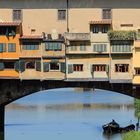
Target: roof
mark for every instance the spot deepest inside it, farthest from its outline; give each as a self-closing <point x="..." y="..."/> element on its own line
<point x="31" y="37"/>
<point x="101" y="22"/>
<point x="10" y="23"/>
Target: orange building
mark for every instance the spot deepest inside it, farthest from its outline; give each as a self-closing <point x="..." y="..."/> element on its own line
<point x="10" y="33"/>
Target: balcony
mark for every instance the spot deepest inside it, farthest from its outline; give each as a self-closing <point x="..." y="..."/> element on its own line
<point x="54" y="54"/>
<point x="77" y="36"/>
<point x="99" y="37"/>
<point x="30" y="54"/>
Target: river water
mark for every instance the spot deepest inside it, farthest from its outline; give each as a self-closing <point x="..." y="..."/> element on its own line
<point x="67" y="114"/>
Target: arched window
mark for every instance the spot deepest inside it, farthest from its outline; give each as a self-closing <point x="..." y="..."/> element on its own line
<point x="30" y="65"/>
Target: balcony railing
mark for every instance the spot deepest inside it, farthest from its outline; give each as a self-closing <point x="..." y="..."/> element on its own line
<point x="77" y="36"/>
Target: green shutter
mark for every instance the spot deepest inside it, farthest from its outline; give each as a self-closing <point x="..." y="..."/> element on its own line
<point x="21" y="65"/>
<point x="70" y="68"/>
<point x="38" y="66"/>
<point x="91" y="68"/>
<point x="16" y="66"/>
<point x="1" y="47"/>
<point x="45" y="67"/>
<point x="1" y="66"/>
<point x="107" y="68"/>
<point x="4" y="47"/>
<point x="13" y="33"/>
<point x="7" y="33"/>
<point x="63" y="67"/>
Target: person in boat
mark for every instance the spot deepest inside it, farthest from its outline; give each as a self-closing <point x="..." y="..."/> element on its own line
<point x="114" y="124"/>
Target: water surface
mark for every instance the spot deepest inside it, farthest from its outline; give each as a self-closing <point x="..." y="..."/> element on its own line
<point x="65" y="114"/>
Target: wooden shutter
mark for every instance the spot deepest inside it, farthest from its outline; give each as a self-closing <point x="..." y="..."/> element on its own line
<point x="16" y="66"/>
<point x="1" y="66"/>
<point x="45" y="67"/>
<point x="70" y="68"/>
<point x="38" y="66"/>
<point x="21" y="65"/>
<point x="107" y="68"/>
<point x="63" y="67"/>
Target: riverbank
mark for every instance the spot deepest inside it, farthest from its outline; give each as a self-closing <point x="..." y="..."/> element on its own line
<point x="133" y="135"/>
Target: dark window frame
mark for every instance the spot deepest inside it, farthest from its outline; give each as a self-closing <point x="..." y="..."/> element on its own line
<point x="78" y="67"/>
<point x="137" y="71"/>
<point x="61" y="14"/>
<point x="11" y="47"/>
<point x="9" y="65"/>
<point x="54" y="66"/>
<point x="107" y="13"/>
<point x="17" y="14"/>
<point x="99" y="68"/>
<point x="123" y="68"/>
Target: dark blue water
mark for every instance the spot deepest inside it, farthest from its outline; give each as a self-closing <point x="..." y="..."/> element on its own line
<point x="64" y="114"/>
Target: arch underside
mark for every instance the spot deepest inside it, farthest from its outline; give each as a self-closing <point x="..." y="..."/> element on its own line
<point x="11" y="90"/>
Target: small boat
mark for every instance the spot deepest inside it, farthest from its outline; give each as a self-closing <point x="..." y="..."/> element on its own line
<point x="114" y="127"/>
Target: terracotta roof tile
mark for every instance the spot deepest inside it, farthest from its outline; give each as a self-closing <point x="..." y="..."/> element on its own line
<point x="31" y="37"/>
<point x="10" y="23"/>
<point x="101" y="22"/>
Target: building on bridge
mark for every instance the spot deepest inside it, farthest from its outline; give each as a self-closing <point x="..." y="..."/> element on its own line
<point x="9" y="49"/>
<point x="71" y="40"/>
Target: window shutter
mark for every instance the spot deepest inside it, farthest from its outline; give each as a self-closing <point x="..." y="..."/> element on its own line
<point x="92" y="68"/>
<point x="1" y="66"/>
<point x="107" y="68"/>
<point x="1" y="48"/>
<point x="45" y="67"/>
<point x="70" y="68"/>
<point x="38" y="66"/>
<point x="4" y="47"/>
<point x="63" y="67"/>
<point x="21" y="66"/>
<point x="16" y="66"/>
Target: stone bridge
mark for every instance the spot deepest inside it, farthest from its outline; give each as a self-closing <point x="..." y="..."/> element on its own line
<point x="11" y="90"/>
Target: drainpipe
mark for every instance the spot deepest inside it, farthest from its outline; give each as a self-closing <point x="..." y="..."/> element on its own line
<point x="67" y="15"/>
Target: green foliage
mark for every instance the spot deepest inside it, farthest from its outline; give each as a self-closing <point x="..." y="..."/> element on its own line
<point x="133" y="135"/>
<point x="137" y="108"/>
<point x="122" y="35"/>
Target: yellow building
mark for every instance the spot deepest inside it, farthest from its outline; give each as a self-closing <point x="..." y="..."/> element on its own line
<point x="53" y="57"/>
<point x="136" y="63"/>
<point x="9" y="49"/>
<point x="96" y="40"/>
<point x="30" y="57"/>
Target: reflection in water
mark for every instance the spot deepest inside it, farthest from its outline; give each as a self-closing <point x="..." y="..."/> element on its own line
<point x="71" y="106"/>
<point x="67" y="115"/>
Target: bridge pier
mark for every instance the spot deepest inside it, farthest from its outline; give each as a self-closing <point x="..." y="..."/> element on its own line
<point x="2" y="114"/>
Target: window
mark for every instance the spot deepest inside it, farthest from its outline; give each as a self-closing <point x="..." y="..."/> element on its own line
<point x="77" y="67"/>
<point x="11" y="47"/>
<point x="17" y="15"/>
<point x="2" y="47"/>
<point x="30" y="65"/>
<point x="82" y="47"/>
<point x="99" y="67"/>
<point x="100" y="47"/>
<point x="51" y="46"/>
<point x="121" y="46"/>
<point x="8" y="31"/>
<point x="61" y="14"/>
<point x="121" y="67"/>
<point x="30" y="45"/>
<point x="54" y="66"/>
<point x="95" y="29"/>
<point x="73" y="48"/>
<point x="137" y="70"/>
<point x="105" y="28"/>
<point x="106" y="14"/>
<point x="9" y="65"/>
